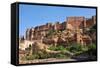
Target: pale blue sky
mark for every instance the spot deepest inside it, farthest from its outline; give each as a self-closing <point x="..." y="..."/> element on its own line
<point x="35" y="15"/>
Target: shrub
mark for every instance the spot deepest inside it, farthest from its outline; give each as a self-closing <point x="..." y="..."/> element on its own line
<point x="92" y="47"/>
<point x="58" y="48"/>
<point x="75" y="48"/>
<point x="60" y="56"/>
<point x="43" y="55"/>
<point x="52" y="48"/>
<point x="92" y="50"/>
<point x="30" y="57"/>
<point x="50" y="32"/>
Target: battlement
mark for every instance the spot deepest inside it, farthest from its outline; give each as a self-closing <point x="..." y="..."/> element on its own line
<point x="72" y="23"/>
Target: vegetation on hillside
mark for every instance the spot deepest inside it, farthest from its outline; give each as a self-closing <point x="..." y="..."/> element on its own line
<point x="65" y="52"/>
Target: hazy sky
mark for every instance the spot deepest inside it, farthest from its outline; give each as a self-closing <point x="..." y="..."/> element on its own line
<point x="35" y="15"/>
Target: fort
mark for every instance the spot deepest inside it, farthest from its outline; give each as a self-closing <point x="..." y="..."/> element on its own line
<point x="59" y="40"/>
<point x="73" y="29"/>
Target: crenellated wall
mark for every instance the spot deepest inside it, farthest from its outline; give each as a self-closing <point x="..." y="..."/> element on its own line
<point x="72" y="23"/>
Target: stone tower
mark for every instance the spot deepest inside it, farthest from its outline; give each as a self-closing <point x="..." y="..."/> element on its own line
<point x="74" y="22"/>
<point x="27" y="34"/>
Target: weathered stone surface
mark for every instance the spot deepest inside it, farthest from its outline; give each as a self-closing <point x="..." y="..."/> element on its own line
<point x="37" y="46"/>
